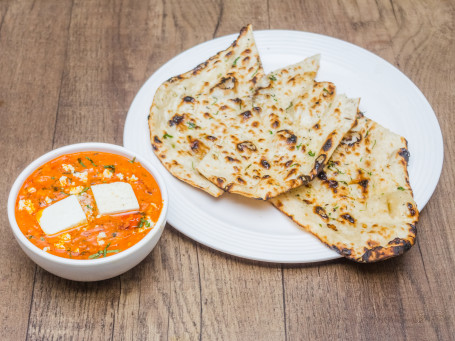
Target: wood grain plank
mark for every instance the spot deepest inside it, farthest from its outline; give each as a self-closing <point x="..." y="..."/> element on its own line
<point x="160" y="299"/>
<point x="233" y="15"/>
<point x="31" y="64"/>
<point x="241" y="300"/>
<point x="395" y="299"/>
<point x="87" y="111"/>
<point x="167" y="303"/>
<point x="109" y="57"/>
<point x="425" y="50"/>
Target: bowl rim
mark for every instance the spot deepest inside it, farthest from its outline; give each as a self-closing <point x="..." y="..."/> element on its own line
<point x="74" y="148"/>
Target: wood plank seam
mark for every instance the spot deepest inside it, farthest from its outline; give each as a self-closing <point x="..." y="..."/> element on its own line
<point x="31" y="302"/>
<point x="284" y="303"/>
<point x="3" y="19"/>
<point x="200" y="291"/>
<point x="63" y="74"/>
<point x="220" y="16"/>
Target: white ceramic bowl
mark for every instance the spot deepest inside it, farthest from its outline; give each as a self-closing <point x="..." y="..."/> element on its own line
<point x="92" y="269"/>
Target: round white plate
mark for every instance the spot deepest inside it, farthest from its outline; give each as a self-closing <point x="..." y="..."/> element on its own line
<point x="255" y="229"/>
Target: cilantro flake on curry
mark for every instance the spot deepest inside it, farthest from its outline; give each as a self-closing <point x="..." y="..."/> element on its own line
<point x="110" y="167"/>
<point x="102" y="235"/>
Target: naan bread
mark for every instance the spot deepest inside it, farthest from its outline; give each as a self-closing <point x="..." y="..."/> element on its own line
<point x="192" y="110"/>
<point x="285" y="138"/>
<point x="361" y="204"/>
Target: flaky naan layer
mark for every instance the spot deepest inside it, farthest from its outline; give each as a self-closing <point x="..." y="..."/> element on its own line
<point x="192" y="110"/>
<point x="285" y="138"/>
<point x="361" y="204"/>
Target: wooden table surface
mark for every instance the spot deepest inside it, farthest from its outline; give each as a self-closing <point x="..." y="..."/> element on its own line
<point x="69" y="70"/>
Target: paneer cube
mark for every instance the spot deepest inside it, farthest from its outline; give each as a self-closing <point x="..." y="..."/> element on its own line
<point x="116" y="197"/>
<point x="62" y="215"/>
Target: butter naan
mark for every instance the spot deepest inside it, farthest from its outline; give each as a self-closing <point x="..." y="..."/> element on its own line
<point x="192" y="110"/>
<point x="361" y="204"/>
<point x="284" y="138"/>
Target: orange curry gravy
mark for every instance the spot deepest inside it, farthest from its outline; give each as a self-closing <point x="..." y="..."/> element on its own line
<point x="74" y="173"/>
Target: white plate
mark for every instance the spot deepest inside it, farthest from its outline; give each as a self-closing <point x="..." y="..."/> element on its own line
<point x="255" y="229"/>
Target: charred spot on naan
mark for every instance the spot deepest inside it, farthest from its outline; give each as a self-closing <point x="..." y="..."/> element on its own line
<point x="320" y="211"/>
<point x="176" y="120"/>
<point x="226" y="83"/>
<point x="351" y="138"/>
<point x="246" y="146"/>
<point x="246" y="115"/>
<point x="394" y="248"/>
<point x="286" y="138"/>
<point x="404" y="153"/>
<point x="188" y="99"/>
<point x="274" y="121"/>
<point x="318" y="165"/>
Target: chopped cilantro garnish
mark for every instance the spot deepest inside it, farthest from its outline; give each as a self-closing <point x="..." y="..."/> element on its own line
<point x="235" y="61"/>
<point x="42" y="239"/>
<point x="89" y="207"/>
<point x="165" y="136"/>
<point x="298" y="146"/>
<point x="103" y="252"/>
<point x="191" y="125"/>
<point x="105" y="249"/>
<point x="113" y="251"/>
<point x="30" y="237"/>
<point x="142" y="222"/>
<point x="91" y="161"/>
<point x="110" y="167"/>
<point x="333" y="164"/>
<point x="326" y="90"/>
<point x="271" y="132"/>
<point x="272" y="78"/>
<point x="369" y="173"/>
<point x="81" y="163"/>
<point x="133" y="160"/>
<point x="367" y="133"/>
<point x="400" y="188"/>
<point x="290" y="105"/>
<point x="85" y="190"/>
<point x="216" y="100"/>
<point x="311" y="153"/>
<point x="255" y="72"/>
<point x="95" y="255"/>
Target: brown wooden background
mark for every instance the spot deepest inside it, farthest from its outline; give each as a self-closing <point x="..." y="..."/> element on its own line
<point x="69" y="70"/>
